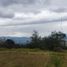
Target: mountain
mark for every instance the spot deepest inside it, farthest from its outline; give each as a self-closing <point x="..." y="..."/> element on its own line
<point x="19" y="40"/>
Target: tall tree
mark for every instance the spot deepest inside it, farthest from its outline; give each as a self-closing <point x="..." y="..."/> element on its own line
<point x="35" y="40"/>
<point x="56" y="39"/>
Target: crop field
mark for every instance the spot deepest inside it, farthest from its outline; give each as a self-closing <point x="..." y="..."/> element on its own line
<point x="32" y="58"/>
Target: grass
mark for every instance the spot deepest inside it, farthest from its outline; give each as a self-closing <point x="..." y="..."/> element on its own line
<point x="32" y="58"/>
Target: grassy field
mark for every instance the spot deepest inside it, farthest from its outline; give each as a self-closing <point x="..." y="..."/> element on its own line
<point x="32" y="58"/>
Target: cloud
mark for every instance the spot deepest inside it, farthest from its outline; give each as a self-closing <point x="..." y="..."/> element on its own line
<point x="6" y="15"/>
<point x="35" y="5"/>
<point x="6" y="12"/>
<point x="41" y="15"/>
<point x="43" y="29"/>
<point x="23" y="2"/>
<point x="45" y="16"/>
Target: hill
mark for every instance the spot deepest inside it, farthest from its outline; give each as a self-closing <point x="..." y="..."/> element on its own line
<point x="19" y="40"/>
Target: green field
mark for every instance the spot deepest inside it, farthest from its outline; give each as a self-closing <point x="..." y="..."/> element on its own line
<point x="32" y="58"/>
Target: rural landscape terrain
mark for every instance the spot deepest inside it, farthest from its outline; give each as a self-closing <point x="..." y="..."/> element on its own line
<point x="32" y="58"/>
<point x="33" y="33"/>
<point x="50" y="51"/>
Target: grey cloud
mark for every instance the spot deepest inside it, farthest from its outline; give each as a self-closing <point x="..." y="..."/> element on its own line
<point x="10" y="2"/>
<point x="34" y="5"/>
<point x="23" y="5"/>
<point x="23" y="2"/>
<point x="5" y="2"/>
<point x="9" y="7"/>
<point x="43" y="21"/>
<point x="42" y="28"/>
<point x="56" y="5"/>
<point x="6" y="15"/>
<point x="59" y="10"/>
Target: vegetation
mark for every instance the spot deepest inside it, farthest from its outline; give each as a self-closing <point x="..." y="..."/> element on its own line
<point x="56" y="60"/>
<point x="32" y="58"/>
<point x="40" y="52"/>
<point x="53" y="42"/>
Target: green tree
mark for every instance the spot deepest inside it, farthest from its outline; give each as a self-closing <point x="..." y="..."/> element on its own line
<point x="55" y="40"/>
<point x="9" y="44"/>
<point x="35" y="40"/>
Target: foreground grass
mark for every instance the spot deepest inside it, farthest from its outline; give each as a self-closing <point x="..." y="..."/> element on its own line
<point x="32" y="58"/>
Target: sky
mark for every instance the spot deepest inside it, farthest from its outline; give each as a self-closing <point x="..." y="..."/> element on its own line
<point x="21" y="17"/>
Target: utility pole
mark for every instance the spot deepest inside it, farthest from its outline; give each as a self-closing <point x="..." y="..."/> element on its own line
<point x="61" y="25"/>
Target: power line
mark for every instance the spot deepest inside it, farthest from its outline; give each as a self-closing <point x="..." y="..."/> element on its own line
<point x="61" y="24"/>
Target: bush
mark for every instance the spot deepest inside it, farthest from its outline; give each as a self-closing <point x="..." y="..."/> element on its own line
<point x="59" y="49"/>
<point x="9" y="44"/>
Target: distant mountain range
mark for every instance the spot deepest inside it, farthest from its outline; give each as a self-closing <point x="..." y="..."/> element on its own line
<point x="19" y="40"/>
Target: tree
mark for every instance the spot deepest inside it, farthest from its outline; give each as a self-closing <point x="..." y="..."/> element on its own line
<point x="55" y="40"/>
<point x="9" y="43"/>
<point x="35" y="40"/>
<point x="2" y="40"/>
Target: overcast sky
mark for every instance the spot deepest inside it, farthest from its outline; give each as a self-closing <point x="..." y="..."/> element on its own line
<point x="22" y="17"/>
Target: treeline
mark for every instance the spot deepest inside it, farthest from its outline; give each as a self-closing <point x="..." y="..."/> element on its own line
<point x="55" y="42"/>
